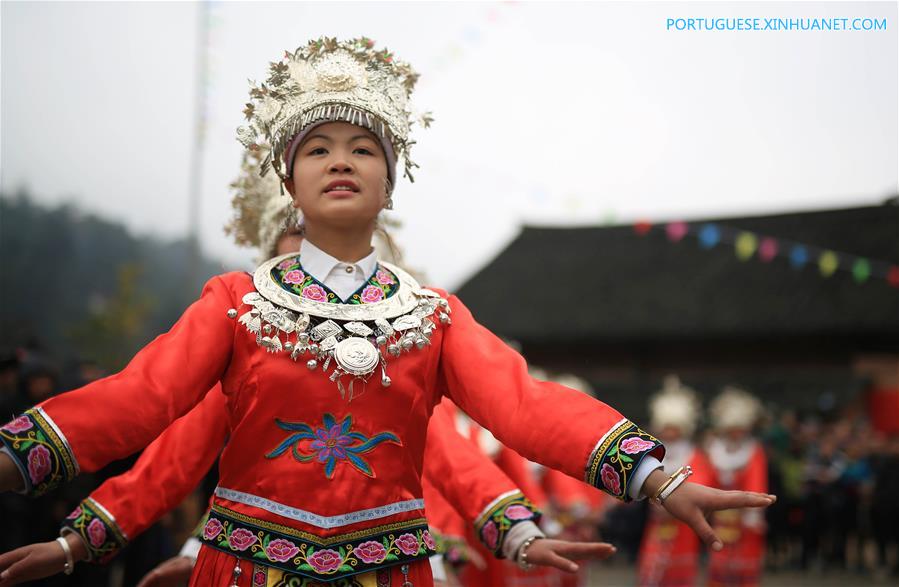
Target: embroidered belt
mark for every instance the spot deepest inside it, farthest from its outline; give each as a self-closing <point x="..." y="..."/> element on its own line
<point x="324" y="559"/>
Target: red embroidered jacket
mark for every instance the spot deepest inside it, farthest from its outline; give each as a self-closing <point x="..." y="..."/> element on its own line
<point x="305" y="470"/>
<point x="124" y="506"/>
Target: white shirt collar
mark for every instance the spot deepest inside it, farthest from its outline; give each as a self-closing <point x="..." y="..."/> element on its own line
<point x="320" y="264"/>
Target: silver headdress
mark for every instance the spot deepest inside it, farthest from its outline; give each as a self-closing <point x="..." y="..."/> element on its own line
<point x="261" y="213"/>
<point x="327" y="80"/>
<point x="675" y="405"/>
<point x="735" y="408"/>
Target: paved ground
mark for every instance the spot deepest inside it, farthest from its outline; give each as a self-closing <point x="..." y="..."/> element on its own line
<point x="619" y="576"/>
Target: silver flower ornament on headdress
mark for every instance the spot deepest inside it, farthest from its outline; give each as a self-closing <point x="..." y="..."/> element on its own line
<point x="327" y="80"/>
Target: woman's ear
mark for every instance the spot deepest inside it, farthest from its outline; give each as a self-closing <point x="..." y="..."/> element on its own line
<point x="288" y="185"/>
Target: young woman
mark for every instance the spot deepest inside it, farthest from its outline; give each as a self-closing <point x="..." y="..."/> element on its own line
<point x="333" y="340"/>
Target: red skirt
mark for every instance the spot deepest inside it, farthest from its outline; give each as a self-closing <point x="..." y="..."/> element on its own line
<point x="218" y="569"/>
<point x="669" y="554"/>
<point x="739" y="563"/>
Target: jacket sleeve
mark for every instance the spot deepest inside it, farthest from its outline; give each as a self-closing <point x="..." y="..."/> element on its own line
<point x="473" y="484"/>
<point x="446" y="523"/>
<point x="168" y="470"/>
<point x="545" y="422"/>
<point x="114" y="417"/>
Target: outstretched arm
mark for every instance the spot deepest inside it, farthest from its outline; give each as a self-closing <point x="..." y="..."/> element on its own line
<point x="112" y="418"/>
<point x="126" y="505"/>
<point x="565" y="429"/>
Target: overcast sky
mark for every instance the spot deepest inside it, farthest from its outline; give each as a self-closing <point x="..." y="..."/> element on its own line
<point x="580" y="113"/>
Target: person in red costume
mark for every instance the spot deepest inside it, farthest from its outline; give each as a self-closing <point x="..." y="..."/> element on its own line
<point x="739" y="463"/>
<point x="669" y="552"/>
<point x="175" y="462"/>
<point x="331" y="363"/>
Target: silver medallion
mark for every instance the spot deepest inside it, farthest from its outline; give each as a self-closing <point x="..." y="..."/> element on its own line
<point x="356" y="356"/>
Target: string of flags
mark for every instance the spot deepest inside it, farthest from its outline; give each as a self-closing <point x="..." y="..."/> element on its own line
<point x="748" y="245"/>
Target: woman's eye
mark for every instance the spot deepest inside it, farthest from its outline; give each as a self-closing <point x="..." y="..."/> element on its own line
<point x="363" y="151"/>
<point x="318" y="151"/>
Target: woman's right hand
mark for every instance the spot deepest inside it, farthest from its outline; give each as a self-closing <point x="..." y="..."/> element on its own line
<point x="174" y="572"/>
<point x="37" y="561"/>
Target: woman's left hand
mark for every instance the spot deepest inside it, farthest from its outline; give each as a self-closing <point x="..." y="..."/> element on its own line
<point x="561" y="554"/>
<point x="692" y="503"/>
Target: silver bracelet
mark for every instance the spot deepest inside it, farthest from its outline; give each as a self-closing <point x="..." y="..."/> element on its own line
<point x="686" y="472"/>
<point x="522" y="558"/>
<point x="70" y="562"/>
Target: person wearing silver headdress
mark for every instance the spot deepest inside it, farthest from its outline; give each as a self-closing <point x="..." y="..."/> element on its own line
<point x="456" y="478"/>
<point x="331" y="362"/>
<point x="739" y="463"/>
<point x="669" y="551"/>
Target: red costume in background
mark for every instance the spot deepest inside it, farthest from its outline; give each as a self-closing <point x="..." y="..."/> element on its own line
<point x="669" y="551"/>
<point x="739" y="563"/>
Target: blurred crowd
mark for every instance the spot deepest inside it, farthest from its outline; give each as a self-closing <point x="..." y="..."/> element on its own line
<point x="837" y="480"/>
<point x="836" y="477"/>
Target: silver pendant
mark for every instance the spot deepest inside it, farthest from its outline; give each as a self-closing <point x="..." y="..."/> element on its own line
<point x="358" y="328"/>
<point x="326" y="329"/>
<point x="356" y="356"/>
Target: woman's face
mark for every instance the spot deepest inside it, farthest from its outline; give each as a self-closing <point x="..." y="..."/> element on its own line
<point x="339" y="174"/>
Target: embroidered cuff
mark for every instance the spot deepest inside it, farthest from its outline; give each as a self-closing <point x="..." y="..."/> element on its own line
<point x="454" y="549"/>
<point x="40" y="451"/>
<point x="507" y="510"/>
<point x="98" y="529"/>
<point x="617" y="457"/>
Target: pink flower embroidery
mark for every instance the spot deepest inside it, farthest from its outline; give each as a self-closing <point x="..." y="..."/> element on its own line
<point x="287" y="263"/>
<point x="212" y="529"/>
<point x="241" y="539"/>
<point x="408" y="544"/>
<point x="315" y="292"/>
<point x="38" y="463"/>
<point x="96" y="533"/>
<point x="634" y="445"/>
<point x="372" y="294"/>
<point x="428" y="540"/>
<point x="296" y="276"/>
<point x="330" y="443"/>
<point x="76" y="513"/>
<point x="325" y="561"/>
<point x="20" y="424"/>
<point x="371" y="552"/>
<point x="281" y="550"/>
<point x="610" y="479"/>
<point x="384" y="278"/>
<point x="490" y="534"/>
<point x="518" y="512"/>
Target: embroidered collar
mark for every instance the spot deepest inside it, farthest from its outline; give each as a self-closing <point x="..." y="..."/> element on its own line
<point x="320" y="264"/>
<point x="294" y="277"/>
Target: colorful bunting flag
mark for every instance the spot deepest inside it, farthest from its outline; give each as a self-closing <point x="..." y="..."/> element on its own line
<point x="748" y="244"/>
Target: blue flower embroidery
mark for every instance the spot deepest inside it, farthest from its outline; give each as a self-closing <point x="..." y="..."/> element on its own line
<point x="332" y="443"/>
